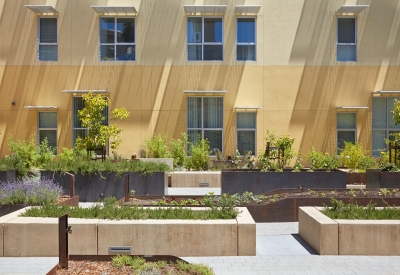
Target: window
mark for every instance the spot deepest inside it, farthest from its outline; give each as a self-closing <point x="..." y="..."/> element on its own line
<point x="204" y="38"/>
<point x="48" y="128"/>
<point x="346" y="125"/>
<point x="246" y="39"/>
<point x="346" y="39"/>
<point x="117" y="39"/>
<point x="205" y="119"/>
<point x="77" y="129"/>
<point x="246" y="132"/>
<point x="47" y="39"/>
<point x="382" y="123"/>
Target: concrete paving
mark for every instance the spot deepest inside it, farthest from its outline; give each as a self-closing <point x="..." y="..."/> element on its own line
<point x="192" y="191"/>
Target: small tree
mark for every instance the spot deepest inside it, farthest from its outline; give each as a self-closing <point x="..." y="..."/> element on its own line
<point x="92" y="117"/>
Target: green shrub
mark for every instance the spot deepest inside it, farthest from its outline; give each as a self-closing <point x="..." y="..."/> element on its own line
<point x="352" y="154"/>
<point x="157" y="147"/>
<point x="178" y="150"/>
<point x="199" y="153"/>
<point x="315" y="159"/>
<point x="367" y="162"/>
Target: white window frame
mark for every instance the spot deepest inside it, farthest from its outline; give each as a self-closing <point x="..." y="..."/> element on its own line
<point x="202" y="128"/>
<point x="202" y="43"/>
<point x="46" y="129"/>
<point x="247" y="130"/>
<point x="247" y="44"/>
<point x="346" y="129"/>
<point x="347" y="44"/>
<point x="45" y="44"/>
<point x="75" y="114"/>
<point x="115" y="43"/>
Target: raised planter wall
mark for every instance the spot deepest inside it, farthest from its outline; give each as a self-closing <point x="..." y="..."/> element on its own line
<point x="92" y="188"/>
<point x="9" y="176"/>
<point x="145" y="237"/>
<point x="261" y="182"/>
<point x="353" y="237"/>
<point x="190" y="179"/>
<point x="389" y="180"/>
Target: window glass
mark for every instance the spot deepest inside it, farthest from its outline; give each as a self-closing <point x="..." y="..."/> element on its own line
<point x="245" y="39"/>
<point x="48" y="128"/>
<point x="346" y="49"/>
<point x="47" y="39"/>
<point x="117" y="39"/>
<point x="346" y="121"/>
<point x="346" y="125"/>
<point x="246" y="132"/>
<point x="346" y="30"/>
<point x="205" y="118"/>
<point x="204" y="38"/>
<point x="382" y="123"/>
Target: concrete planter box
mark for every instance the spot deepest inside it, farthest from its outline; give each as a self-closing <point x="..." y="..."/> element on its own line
<point x="197" y="179"/>
<point x="260" y="182"/>
<point x="33" y="237"/>
<point x="91" y="188"/>
<point x="348" y="237"/>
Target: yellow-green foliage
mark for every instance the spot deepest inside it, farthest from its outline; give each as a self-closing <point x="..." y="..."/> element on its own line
<point x="352" y="154"/>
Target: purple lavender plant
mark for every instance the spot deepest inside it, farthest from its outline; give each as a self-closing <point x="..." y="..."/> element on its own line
<point x="31" y="191"/>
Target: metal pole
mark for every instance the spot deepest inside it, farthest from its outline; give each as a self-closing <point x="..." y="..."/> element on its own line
<point x="63" y="231"/>
<point x="127" y="188"/>
<point x="71" y="184"/>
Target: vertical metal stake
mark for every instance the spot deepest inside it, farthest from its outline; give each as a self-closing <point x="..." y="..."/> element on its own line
<point x="127" y="188"/>
<point x="63" y="231"/>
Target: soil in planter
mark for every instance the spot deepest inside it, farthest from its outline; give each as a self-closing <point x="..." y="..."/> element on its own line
<point x="106" y="267"/>
<point x="272" y="197"/>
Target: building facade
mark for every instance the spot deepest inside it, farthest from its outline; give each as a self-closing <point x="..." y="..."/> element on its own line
<point x="322" y="72"/>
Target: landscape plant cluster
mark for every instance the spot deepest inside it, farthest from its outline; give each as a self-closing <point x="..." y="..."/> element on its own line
<point x="32" y="191"/>
<point x="110" y="209"/>
<point x="354" y="211"/>
<point x="140" y="266"/>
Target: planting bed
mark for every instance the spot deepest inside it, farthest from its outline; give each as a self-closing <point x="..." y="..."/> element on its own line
<point x="282" y="205"/>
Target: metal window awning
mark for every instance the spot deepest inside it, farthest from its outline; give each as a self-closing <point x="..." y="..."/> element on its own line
<point x="40" y="107"/>
<point x="247" y="107"/>
<point x="42" y="9"/>
<point x="247" y="9"/>
<point x="85" y="91"/>
<point x="352" y="107"/>
<point x="115" y="10"/>
<point x="205" y="8"/>
<point x="204" y="92"/>
<point x="351" y="9"/>
<point x="386" y="92"/>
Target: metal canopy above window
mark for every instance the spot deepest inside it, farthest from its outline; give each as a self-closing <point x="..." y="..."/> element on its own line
<point x="203" y="92"/>
<point x="114" y="10"/>
<point x="249" y="9"/>
<point x="352" y="107"/>
<point x="205" y="8"/>
<point x="85" y="91"/>
<point x="40" y="107"/>
<point x="386" y="92"/>
<point x="248" y="107"/>
<point x="42" y="9"/>
<point x="351" y="9"/>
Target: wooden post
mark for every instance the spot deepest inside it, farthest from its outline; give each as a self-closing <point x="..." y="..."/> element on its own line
<point x="63" y="230"/>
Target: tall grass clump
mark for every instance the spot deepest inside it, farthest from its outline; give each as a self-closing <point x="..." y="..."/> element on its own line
<point x="31" y="191"/>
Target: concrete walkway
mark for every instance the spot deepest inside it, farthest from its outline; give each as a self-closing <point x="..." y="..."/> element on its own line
<point x="279" y="251"/>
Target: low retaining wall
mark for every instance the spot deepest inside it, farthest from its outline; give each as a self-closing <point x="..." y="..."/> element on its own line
<point x="348" y="237"/>
<point x="36" y="237"/>
<point x="260" y="182"/>
<point x="189" y="179"/>
<point x="95" y="187"/>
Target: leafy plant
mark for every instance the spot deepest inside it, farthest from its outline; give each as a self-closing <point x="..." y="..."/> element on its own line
<point x="298" y="165"/>
<point x="367" y="162"/>
<point x="199" y="153"/>
<point x="280" y="152"/>
<point x="352" y="154"/>
<point x="315" y="158"/>
<point x="157" y="146"/>
<point x="92" y="117"/>
<point x="27" y="156"/>
<point x="178" y="150"/>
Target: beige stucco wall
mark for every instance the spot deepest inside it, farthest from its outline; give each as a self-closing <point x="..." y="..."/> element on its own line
<point x="296" y="79"/>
